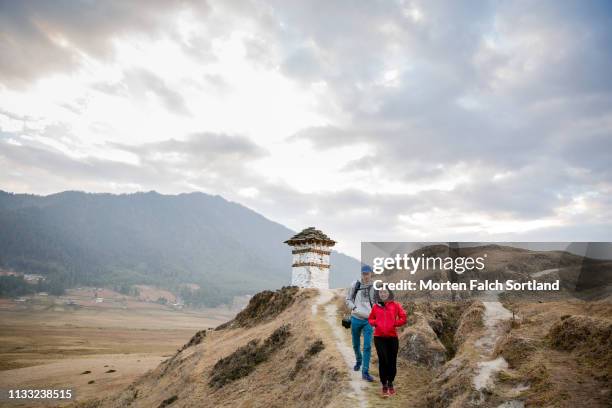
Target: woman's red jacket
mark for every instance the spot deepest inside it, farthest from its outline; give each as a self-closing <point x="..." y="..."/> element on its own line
<point x="386" y="318"/>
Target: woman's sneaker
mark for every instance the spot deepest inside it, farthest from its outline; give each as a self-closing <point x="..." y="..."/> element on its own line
<point x="366" y="376"/>
<point x="391" y="390"/>
<point x="385" y="391"/>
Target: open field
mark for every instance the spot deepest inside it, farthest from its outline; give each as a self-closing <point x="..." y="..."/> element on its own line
<point x="45" y="343"/>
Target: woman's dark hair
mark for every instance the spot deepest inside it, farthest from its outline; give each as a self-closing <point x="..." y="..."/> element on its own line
<point x="377" y="296"/>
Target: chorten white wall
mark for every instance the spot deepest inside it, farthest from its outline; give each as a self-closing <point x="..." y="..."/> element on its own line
<point x="310" y="277"/>
<point x="310" y="266"/>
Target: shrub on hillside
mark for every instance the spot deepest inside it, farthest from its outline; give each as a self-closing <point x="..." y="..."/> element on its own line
<point x="245" y="359"/>
<point x="315" y="348"/>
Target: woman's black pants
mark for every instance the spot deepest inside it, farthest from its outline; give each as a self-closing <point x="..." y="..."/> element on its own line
<point x="386" y="349"/>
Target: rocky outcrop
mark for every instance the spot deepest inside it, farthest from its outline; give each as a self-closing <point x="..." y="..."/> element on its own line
<point x="419" y="344"/>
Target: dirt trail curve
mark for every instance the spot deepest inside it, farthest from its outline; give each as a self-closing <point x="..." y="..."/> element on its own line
<point x="496" y="315"/>
<point x="325" y="299"/>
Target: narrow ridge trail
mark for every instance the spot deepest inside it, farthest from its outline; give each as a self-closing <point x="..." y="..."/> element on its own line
<point x="330" y="317"/>
<point x="495" y="317"/>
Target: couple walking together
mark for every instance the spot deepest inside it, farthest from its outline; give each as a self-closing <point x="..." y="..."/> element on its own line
<point x="375" y="310"/>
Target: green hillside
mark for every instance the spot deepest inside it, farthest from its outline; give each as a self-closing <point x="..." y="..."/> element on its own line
<point x="116" y="241"/>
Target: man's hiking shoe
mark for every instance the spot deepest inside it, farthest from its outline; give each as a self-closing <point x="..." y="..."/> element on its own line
<point x="385" y="392"/>
<point x="366" y="376"/>
<point x="357" y="366"/>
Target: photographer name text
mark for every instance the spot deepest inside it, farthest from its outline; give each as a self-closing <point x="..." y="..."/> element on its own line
<point x="495" y="285"/>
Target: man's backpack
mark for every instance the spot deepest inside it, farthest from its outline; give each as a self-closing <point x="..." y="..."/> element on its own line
<point x="346" y="320"/>
<point x="357" y="287"/>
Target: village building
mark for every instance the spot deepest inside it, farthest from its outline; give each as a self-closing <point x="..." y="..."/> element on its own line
<point x="33" y="278"/>
<point x="311" y="250"/>
<point x="9" y="273"/>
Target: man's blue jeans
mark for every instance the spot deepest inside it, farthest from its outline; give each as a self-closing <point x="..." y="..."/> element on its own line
<point x="357" y="326"/>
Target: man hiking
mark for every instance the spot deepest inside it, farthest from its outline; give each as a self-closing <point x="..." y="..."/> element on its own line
<point x="359" y="299"/>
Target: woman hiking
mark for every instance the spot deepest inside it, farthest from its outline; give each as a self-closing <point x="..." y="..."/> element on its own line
<point x="385" y="316"/>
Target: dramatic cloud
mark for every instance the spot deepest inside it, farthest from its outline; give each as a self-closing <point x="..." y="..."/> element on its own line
<point x="38" y="36"/>
<point x="373" y="120"/>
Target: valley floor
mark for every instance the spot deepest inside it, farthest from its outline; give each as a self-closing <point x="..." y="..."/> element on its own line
<point x="92" y="350"/>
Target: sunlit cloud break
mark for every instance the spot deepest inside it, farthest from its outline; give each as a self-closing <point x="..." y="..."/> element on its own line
<point x="376" y="121"/>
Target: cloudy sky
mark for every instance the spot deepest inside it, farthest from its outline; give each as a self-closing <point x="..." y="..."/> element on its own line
<point x="373" y="120"/>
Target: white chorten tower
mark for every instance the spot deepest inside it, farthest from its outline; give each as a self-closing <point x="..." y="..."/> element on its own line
<point x="311" y="249"/>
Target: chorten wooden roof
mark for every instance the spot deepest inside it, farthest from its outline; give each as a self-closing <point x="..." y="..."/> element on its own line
<point x="310" y="234"/>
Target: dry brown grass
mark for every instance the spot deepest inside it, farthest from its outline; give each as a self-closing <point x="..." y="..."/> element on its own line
<point x="30" y="338"/>
<point x="470" y="322"/>
<point x="315" y="348"/>
<point x="245" y="359"/>
<point x="41" y="347"/>
<point x="562" y="351"/>
<point x="559" y="376"/>
<point x="588" y="339"/>
<point x="517" y="349"/>
<point x="265" y="306"/>
<point x="320" y="381"/>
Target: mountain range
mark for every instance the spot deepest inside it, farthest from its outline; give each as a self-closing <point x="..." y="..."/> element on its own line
<point x="177" y="242"/>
